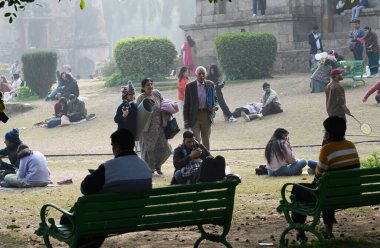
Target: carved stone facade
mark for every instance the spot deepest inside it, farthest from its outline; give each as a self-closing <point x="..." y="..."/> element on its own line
<point x="59" y="27"/>
<point x="289" y="20"/>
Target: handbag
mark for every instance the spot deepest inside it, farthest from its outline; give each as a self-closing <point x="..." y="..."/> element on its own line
<point x="171" y="128"/>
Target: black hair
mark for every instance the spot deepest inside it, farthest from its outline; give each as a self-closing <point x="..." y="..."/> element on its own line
<point x="124" y="139"/>
<point x="315" y="27"/>
<point x="16" y="76"/>
<point x="275" y="146"/>
<point x="190" y="40"/>
<point x="144" y="82"/>
<point x="188" y="134"/>
<point x="182" y="71"/>
<point x="367" y="28"/>
<point x="266" y="85"/>
<point x="62" y="100"/>
<point x="335" y="127"/>
<point x="216" y="71"/>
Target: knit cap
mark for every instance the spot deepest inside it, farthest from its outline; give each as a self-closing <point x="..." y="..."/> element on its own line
<point x="127" y="89"/>
<point x="13" y="136"/>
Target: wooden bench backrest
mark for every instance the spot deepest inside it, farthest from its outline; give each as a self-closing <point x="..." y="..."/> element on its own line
<point x="350" y="188"/>
<point x="171" y="206"/>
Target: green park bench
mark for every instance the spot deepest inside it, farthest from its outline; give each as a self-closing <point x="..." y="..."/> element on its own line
<point x="354" y="70"/>
<point x="159" y="208"/>
<point x="335" y="190"/>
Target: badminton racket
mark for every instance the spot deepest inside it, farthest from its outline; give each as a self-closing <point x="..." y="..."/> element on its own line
<point x="364" y="127"/>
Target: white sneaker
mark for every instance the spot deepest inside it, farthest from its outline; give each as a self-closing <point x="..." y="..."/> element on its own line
<point x="232" y="119"/>
<point x="245" y="116"/>
<point x="260" y="115"/>
<point x="253" y="15"/>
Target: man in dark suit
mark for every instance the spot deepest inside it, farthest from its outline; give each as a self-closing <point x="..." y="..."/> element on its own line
<point x="315" y="43"/>
<point x="199" y="107"/>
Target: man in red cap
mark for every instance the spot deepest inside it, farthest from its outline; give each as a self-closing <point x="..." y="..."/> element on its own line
<point x="335" y="96"/>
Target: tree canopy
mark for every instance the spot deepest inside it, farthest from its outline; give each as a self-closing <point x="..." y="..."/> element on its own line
<point x="13" y="6"/>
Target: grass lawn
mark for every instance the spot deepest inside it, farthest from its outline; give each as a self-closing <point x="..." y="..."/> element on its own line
<point x="255" y="218"/>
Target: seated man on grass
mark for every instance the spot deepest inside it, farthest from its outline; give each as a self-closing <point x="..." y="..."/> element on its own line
<point x="125" y="173"/>
<point x="187" y="159"/>
<point x="337" y="154"/>
<point x="271" y="104"/>
<point x="76" y="109"/>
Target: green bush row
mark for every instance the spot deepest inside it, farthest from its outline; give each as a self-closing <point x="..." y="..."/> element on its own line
<point x="39" y="71"/>
<point x="246" y="55"/>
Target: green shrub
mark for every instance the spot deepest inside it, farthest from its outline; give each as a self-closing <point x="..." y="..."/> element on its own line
<point x="371" y="162"/>
<point x="246" y="55"/>
<point x="24" y="92"/>
<point x="39" y="71"/>
<point x="115" y="80"/>
<point x="142" y="57"/>
<point x="108" y="68"/>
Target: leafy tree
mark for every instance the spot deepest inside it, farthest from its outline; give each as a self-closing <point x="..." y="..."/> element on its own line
<point x="16" y="5"/>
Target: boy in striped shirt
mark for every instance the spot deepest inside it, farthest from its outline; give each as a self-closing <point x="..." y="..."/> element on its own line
<point x="337" y="154"/>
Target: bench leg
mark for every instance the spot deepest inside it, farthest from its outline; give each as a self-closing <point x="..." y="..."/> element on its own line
<point x="283" y="243"/>
<point x="47" y="241"/>
<point x="214" y="238"/>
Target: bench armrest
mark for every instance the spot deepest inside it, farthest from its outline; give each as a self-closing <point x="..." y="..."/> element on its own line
<point x="285" y="203"/>
<point x="44" y="211"/>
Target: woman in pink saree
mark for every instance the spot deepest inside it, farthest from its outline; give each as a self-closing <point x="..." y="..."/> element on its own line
<point x="188" y="54"/>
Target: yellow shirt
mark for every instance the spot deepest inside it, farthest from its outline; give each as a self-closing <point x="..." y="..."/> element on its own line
<point x="337" y="155"/>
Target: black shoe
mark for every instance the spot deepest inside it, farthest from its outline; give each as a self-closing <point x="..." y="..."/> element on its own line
<point x="301" y="239"/>
<point x="159" y="172"/>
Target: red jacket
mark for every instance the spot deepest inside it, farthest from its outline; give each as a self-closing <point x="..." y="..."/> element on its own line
<point x="181" y="88"/>
<point x="373" y="89"/>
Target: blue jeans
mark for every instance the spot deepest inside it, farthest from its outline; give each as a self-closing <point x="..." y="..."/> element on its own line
<point x="356" y="11"/>
<point x="180" y="178"/>
<point x="261" y="6"/>
<point x="292" y="169"/>
<point x="55" y="91"/>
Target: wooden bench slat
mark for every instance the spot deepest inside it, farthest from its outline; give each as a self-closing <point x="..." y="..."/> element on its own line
<point x="351" y="201"/>
<point x="175" y="189"/>
<point x="156" y="200"/>
<point x="343" y="182"/>
<point x="152" y="210"/>
<point x="148" y="222"/>
<point x="353" y="190"/>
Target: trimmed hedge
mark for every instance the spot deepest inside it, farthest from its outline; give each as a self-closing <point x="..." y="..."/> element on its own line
<point x="246" y="55"/>
<point x="39" y="70"/>
<point x="143" y="56"/>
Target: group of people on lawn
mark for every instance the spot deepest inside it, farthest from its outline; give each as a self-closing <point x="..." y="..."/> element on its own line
<point x="192" y="160"/>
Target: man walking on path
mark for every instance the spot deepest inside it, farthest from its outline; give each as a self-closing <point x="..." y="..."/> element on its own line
<point x="335" y="96"/>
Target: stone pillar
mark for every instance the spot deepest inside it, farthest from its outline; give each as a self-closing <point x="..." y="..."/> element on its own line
<point x="327" y="8"/>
